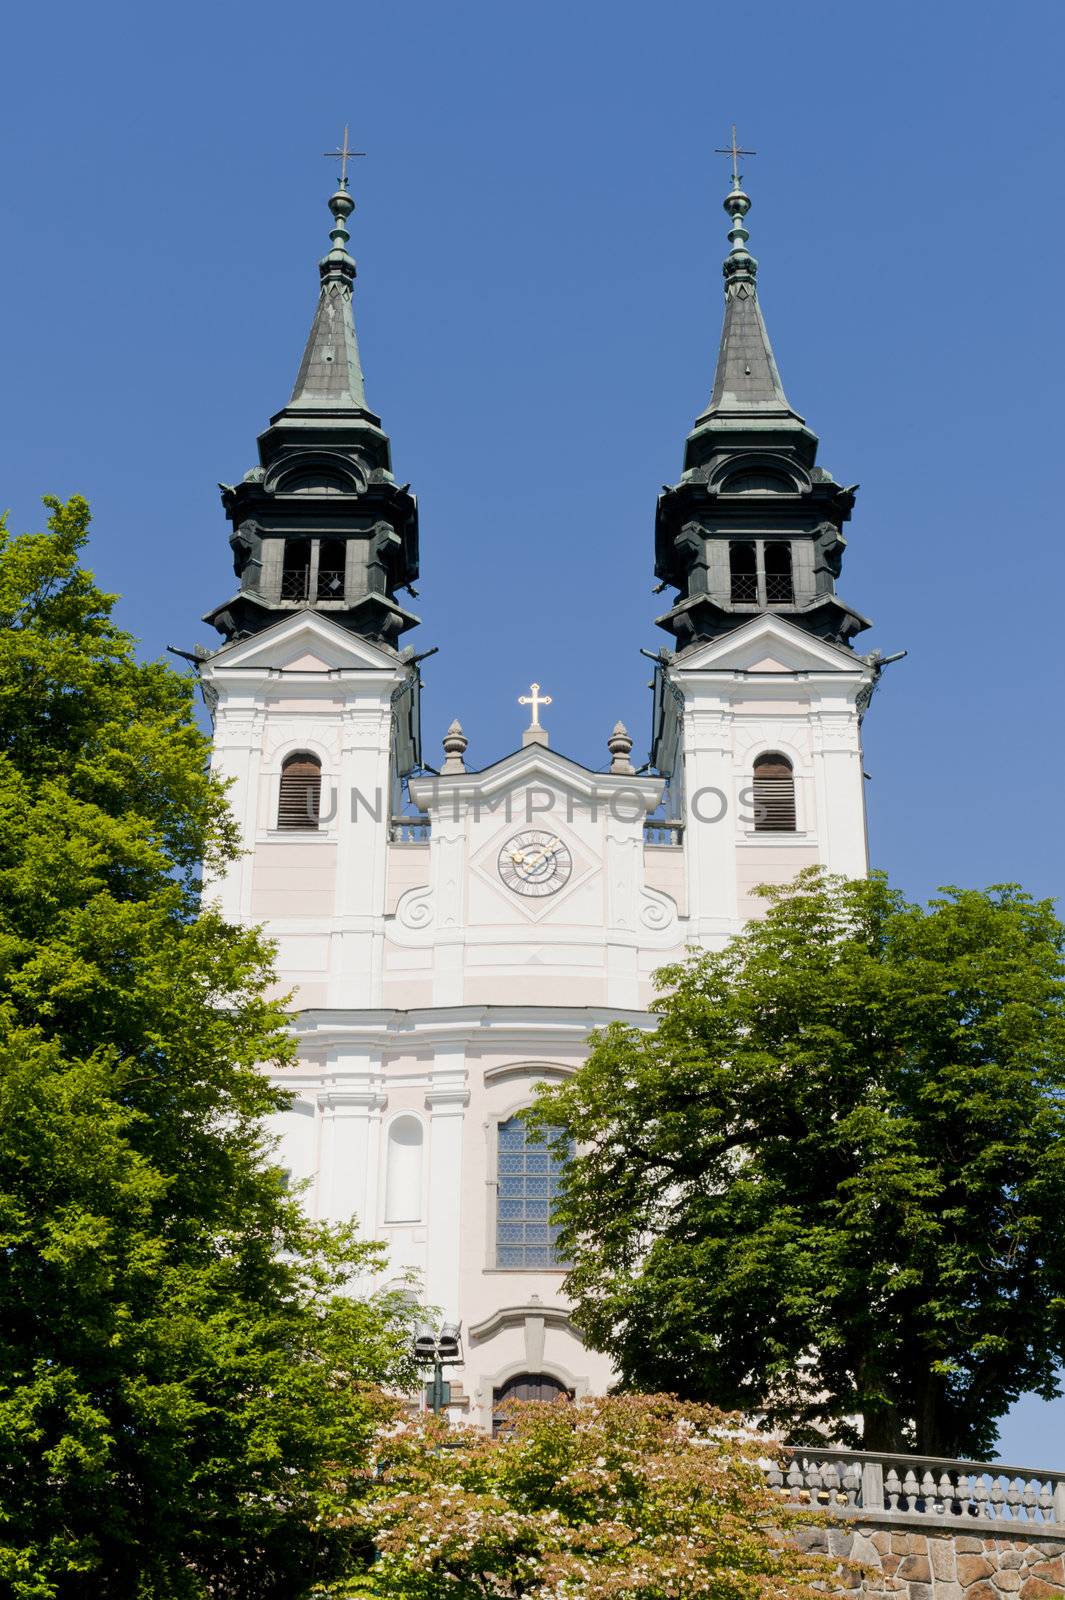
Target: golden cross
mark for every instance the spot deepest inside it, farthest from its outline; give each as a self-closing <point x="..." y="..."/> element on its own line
<point x="735" y="152"/>
<point x="345" y="152"/>
<point x="534" y="700"/>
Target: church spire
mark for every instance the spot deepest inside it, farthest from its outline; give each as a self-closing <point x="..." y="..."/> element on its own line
<point x="753" y="525"/>
<point x="747" y="384"/>
<point x="330" y="374"/>
<point x="746" y="379"/>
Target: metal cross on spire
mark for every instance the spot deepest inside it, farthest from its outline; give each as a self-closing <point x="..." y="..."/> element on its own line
<point x="345" y="152"/>
<point x="735" y="152"/>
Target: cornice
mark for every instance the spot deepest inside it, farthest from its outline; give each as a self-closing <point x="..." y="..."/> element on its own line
<point x="529" y="1028"/>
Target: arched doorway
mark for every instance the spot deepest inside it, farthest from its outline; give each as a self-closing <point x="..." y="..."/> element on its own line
<point x="526" y="1386"/>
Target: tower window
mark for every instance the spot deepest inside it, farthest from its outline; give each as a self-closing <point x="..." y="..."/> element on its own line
<point x="743" y="569"/>
<point x="301" y="792"/>
<point x="296" y="569"/>
<point x="778" y="584"/>
<point x="331" y="557"/>
<point x="760" y="572"/>
<point x="774" y="794"/>
<point x="528" y="1179"/>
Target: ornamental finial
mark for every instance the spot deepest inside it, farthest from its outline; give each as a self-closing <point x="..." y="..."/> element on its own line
<point x="455" y="745"/>
<point x="341" y="205"/>
<point x="620" y="746"/>
<point x="740" y="266"/>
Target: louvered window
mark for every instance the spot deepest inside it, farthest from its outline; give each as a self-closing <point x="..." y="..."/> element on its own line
<point x="774" y="795"/>
<point x="301" y="792"/>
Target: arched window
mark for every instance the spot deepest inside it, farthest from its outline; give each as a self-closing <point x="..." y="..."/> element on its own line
<point x="301" y="791"/>
<point x="528" y="1178"/>
<point x="779" y="588"/>
<point x="403" y="1171"/>
<point x="526" y="1386"/>
<point x="774" y="794"/>
<point x="743" y="569"/>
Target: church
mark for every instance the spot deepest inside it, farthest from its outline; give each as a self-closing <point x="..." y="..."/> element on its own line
<point x="451" y="936"/>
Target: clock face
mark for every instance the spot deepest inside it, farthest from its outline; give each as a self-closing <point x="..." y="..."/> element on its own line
<point x="535" y="863"/>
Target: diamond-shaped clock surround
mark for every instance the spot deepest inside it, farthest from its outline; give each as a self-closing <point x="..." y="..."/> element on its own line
<point x="484" y="863"/>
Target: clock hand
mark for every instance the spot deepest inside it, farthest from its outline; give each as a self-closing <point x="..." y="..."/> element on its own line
<point x="542" y="854"/>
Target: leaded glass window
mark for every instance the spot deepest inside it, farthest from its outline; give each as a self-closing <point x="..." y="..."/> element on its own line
<point x="528" y="1178"/>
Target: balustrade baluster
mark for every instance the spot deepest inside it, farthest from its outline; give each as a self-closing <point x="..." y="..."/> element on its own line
<point x="1046" y="1502"/>
<point x="795" y="1481"/>
<point x="851" y="1481"/>
<point x="892" y="1489"/>
<point x="1059" y="1500"/>
<point x="997" y="1498"/>
<point x="965" y="1494"/>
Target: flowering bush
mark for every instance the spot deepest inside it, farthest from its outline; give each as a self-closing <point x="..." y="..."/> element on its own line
<point x="634" y="1497"/>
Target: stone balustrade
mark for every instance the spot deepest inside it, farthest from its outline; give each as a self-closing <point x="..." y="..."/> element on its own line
<point x="921" y="1489"/>
<point x="924" y="1528"/>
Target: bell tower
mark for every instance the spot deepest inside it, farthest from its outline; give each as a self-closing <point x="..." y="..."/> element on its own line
<point x="315" y="703"/>
<point x="758" y="707"/>
<point x="320" y="523"/>
<point x="754" y="525"/>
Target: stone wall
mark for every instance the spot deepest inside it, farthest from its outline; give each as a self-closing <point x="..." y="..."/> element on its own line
<point x="945" y="1565"/>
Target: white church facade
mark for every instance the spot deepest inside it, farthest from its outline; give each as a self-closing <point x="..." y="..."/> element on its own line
<point x="450" y="937"/>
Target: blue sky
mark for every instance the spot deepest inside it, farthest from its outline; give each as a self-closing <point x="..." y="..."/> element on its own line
<point x="539" y="234"/>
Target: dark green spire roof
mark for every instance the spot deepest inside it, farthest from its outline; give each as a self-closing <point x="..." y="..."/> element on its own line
<point x="747" y="386"/>
<point x="330" y="375"/>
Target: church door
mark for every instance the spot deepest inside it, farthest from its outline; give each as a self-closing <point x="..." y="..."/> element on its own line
<point x="526" y="1386"/>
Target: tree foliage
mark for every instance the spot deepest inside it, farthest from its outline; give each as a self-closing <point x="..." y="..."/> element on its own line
<point x="627" y="1498"/>
<point x="830" y="1184"/>
<point x="186" y="1388"/>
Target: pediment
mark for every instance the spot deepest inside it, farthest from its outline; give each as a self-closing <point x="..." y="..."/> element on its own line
<point x="769" y="644"/>
<point x="306" y="641"/>
<point x="532" y="764"/>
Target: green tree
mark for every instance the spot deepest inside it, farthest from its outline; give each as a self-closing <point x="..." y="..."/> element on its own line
<point x="628" y="1498"/>
<point x="830" y="1184"/>
<point x="187" y="1392"/>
